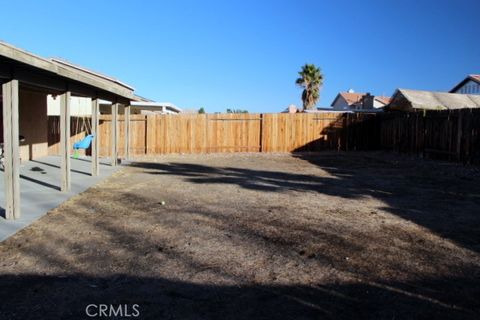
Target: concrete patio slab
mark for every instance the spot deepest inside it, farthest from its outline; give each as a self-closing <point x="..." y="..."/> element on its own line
<point x="40" y="188"/>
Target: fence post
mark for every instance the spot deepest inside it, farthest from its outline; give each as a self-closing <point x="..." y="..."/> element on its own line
<point x="207" y="137"/>
<point x="261" y="132"/>
<point x="459" y="135"/>
<point x="126" y="122"/>
<point x="150" y="134"/>
<point x="424" y="142"/>
<point x="346" y="132"/>
<point x="145" y="140"/>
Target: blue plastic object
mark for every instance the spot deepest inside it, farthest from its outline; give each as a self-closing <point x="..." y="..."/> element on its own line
<point x="84" y="143"/>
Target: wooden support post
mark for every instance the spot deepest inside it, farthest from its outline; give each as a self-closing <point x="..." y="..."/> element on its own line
<point x="114" y="134"/>
<point x="65" y="140"/>
<point x="459" y="134"/>
<point x="127" y="131"/>
<point x="11" y="149"/>
<point x="96" y="139"/>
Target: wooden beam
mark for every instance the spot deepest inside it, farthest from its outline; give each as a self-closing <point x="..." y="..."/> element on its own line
<point x="65" y="140"/>
<point x="11" y="149"/>
<point x="53" y="83"/>
<point x="127" y="131"/>
<point x="65" y="70"/>
<point x="114" y="135"/>
<point x="96" y="138"/>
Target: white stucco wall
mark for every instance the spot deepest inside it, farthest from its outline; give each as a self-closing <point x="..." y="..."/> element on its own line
<point x="79" y="106"/>
<point x="470" y="87"/>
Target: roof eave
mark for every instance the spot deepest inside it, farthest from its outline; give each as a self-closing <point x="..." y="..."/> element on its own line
<point x="69" y="73"/>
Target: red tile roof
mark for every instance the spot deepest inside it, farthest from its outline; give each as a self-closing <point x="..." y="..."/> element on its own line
<point x="352" y="97"/>
<point x="383" y="99"/>
<point x="475" y="76"/>
<point x="355" y="97"/>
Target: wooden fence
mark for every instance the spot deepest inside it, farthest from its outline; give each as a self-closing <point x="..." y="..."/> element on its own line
<point x="228" y="133"/>
<point x="449" y="135"/>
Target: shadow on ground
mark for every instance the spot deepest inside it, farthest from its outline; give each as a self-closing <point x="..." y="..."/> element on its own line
<point x="66" y="297"/>
<point x="197" y="259"/>
<point x="442" y="197"/>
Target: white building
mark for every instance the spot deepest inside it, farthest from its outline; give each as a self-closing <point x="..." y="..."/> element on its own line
<point x="354" y="101"/>
<point x="469" y="85"/>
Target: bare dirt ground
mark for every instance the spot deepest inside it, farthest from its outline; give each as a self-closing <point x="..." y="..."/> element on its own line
<point x="257" y="236"/>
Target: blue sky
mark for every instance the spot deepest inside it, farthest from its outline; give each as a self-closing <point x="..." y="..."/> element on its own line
<point x="246" y="54"/>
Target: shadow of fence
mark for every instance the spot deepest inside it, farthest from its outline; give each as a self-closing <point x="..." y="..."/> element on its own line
<point x="448" y="135"/>
<point x="347" y="132"/>
<point x="452" y="135"/>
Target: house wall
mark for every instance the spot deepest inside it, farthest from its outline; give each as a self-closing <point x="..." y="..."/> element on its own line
<point x="377" y="104"/>
<point x="340" y="104"/>
<point x="33" y="125"/>
<point x="470" y="87"/>
<point x="79" y="106"/>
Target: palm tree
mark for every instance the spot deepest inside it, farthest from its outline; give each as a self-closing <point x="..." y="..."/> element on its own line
<point x="311" y="79"/>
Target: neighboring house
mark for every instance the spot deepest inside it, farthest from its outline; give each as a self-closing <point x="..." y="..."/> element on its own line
<point x="291" y="109"/>
<point x="354" y="101"/>
<point x="469" y="85"/>
<point x="412" y="100"/>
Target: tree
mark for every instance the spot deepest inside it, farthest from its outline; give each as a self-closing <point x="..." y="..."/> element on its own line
<point x="201" y="110"/>
<point x="236" y="111"/>
<point x="311" y="79"/>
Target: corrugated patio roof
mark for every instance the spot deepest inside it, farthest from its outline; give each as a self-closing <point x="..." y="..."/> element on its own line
<point x="431" y="100"/>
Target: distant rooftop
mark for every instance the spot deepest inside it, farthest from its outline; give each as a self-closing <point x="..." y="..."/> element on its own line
<point x="404" y="99"/>
<point x="473" y="77"/>
<point x="355" y="97"/>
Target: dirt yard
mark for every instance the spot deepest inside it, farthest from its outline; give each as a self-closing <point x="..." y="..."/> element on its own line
<point x="257" y="236"/>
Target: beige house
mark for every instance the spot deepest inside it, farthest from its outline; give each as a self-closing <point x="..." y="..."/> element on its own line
<point x="355" y="101"/>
